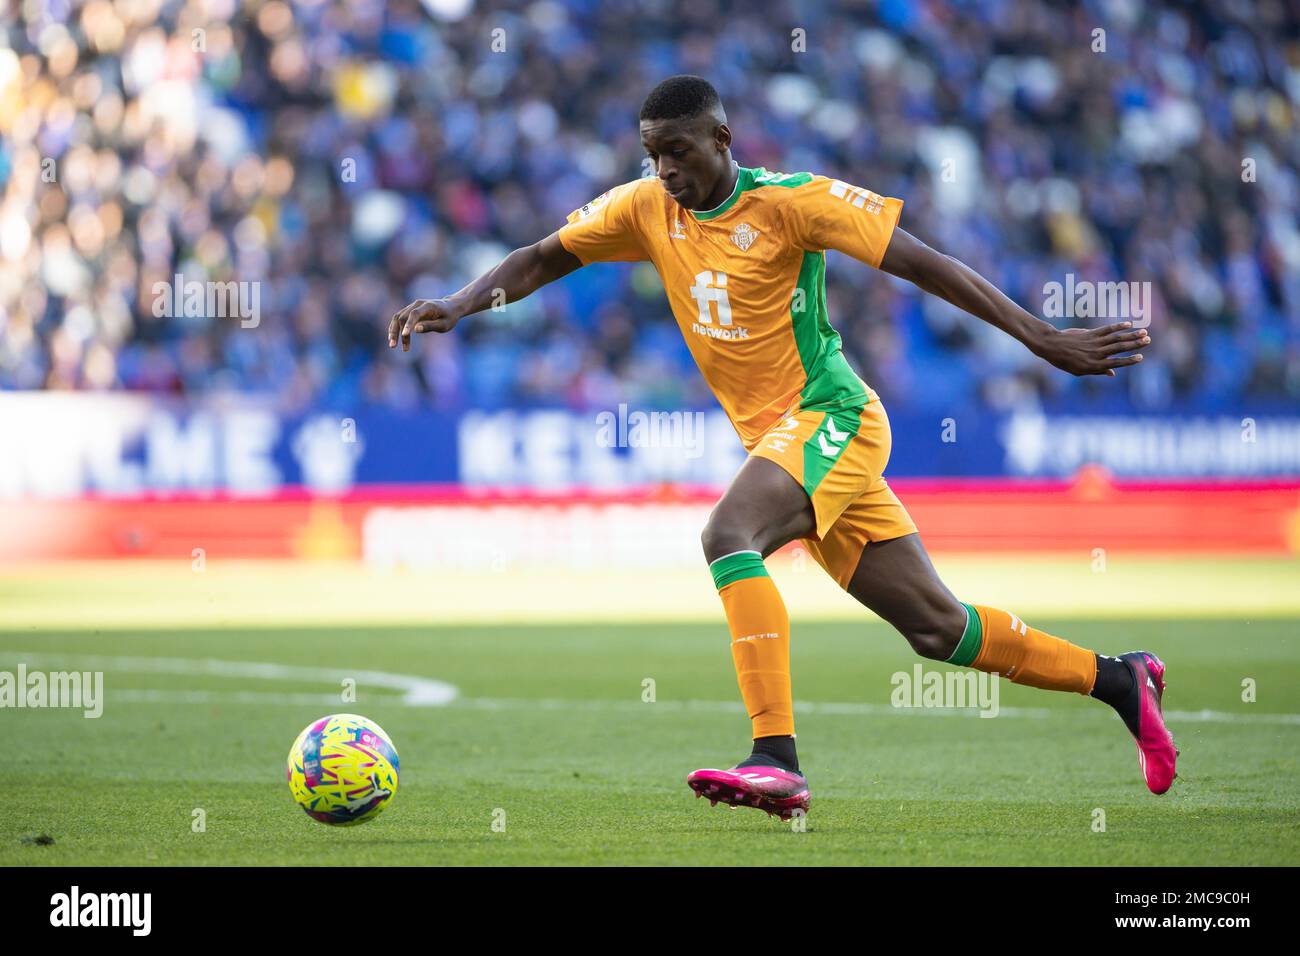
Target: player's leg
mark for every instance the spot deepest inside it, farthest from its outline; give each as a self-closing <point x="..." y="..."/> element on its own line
<point x="874" y="552"/>
<point x="763" y="509"/>
<point x="896" y="579"/>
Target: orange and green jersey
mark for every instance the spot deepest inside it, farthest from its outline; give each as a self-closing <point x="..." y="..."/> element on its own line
<point x="747" y="281"/>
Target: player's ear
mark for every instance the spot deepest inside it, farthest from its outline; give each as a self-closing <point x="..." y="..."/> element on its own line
<point x="722" y="138"/>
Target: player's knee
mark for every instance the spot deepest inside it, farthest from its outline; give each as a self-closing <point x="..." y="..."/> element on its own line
<point x="722" y="535"/>
<point x="937" y="631"/>
<point x="935" y="645"/>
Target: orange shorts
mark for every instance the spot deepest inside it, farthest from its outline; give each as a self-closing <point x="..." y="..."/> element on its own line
<point x="839" y="458"/>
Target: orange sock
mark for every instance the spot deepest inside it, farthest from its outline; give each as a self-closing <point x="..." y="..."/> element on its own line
<point x="998" y="642"/>
<point x="760" y="640"/>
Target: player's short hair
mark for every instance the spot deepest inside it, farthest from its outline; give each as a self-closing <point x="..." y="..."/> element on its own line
<point x="680" y="97"/>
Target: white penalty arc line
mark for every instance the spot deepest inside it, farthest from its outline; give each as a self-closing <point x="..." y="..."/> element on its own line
<point x="419" y="691"/>
<point x="415" y="691"/>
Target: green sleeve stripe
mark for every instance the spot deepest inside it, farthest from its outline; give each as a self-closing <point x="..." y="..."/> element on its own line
<point x="737" y="567"/>
<point x="968" y="648"/>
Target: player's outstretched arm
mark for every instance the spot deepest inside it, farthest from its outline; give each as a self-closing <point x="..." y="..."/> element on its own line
<point x="519" y="274"/>
<point x="1078" y="351"/>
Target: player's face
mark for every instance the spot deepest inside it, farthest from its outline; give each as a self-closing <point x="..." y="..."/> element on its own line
<point x="690" y="156"/>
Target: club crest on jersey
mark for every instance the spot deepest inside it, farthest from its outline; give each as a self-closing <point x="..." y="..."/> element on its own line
<point x="743" y="236"/>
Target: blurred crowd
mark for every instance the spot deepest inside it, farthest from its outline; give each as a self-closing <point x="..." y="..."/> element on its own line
<point x="351" y="155"/>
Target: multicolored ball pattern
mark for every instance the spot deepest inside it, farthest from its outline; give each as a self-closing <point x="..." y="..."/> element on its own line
<point x="343" y="770"/>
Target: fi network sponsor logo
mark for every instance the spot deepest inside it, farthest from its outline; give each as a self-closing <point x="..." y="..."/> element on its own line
<point x="102" y="909"/>
<point x="78" y="690"/>
<point x="710" y="295"/>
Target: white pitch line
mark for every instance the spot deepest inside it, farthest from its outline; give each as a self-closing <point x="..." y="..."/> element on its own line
<point x="848" y="709"/>
<point x="831" y="708"/>
<point x="428" y="692"/>
<point x="144" y="696"/>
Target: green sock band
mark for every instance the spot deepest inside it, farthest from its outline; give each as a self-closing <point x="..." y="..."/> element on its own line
<point x="968" y="648"/>
<point x="737" y="567"/>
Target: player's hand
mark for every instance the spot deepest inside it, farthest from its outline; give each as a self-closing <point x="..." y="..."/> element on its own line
<point x="1094" y="351"/>
<point x="422" y="315"/>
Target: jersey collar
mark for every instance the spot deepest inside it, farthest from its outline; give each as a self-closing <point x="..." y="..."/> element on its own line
<point x="743" y="182"/>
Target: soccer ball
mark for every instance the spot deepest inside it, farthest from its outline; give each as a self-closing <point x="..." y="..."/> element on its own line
<point x="343" y="770"/>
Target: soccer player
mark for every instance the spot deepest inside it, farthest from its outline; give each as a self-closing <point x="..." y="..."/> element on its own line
<point x="741" y="252"/>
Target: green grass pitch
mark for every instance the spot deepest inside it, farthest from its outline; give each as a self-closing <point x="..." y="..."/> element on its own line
<point x="551" y="737"/>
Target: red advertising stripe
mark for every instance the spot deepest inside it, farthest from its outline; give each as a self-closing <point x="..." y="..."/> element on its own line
<point x="967" y="516"/>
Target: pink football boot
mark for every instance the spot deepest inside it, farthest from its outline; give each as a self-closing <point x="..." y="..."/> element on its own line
<point x="1145" y="719"/>
<point x="777" y="792"/>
